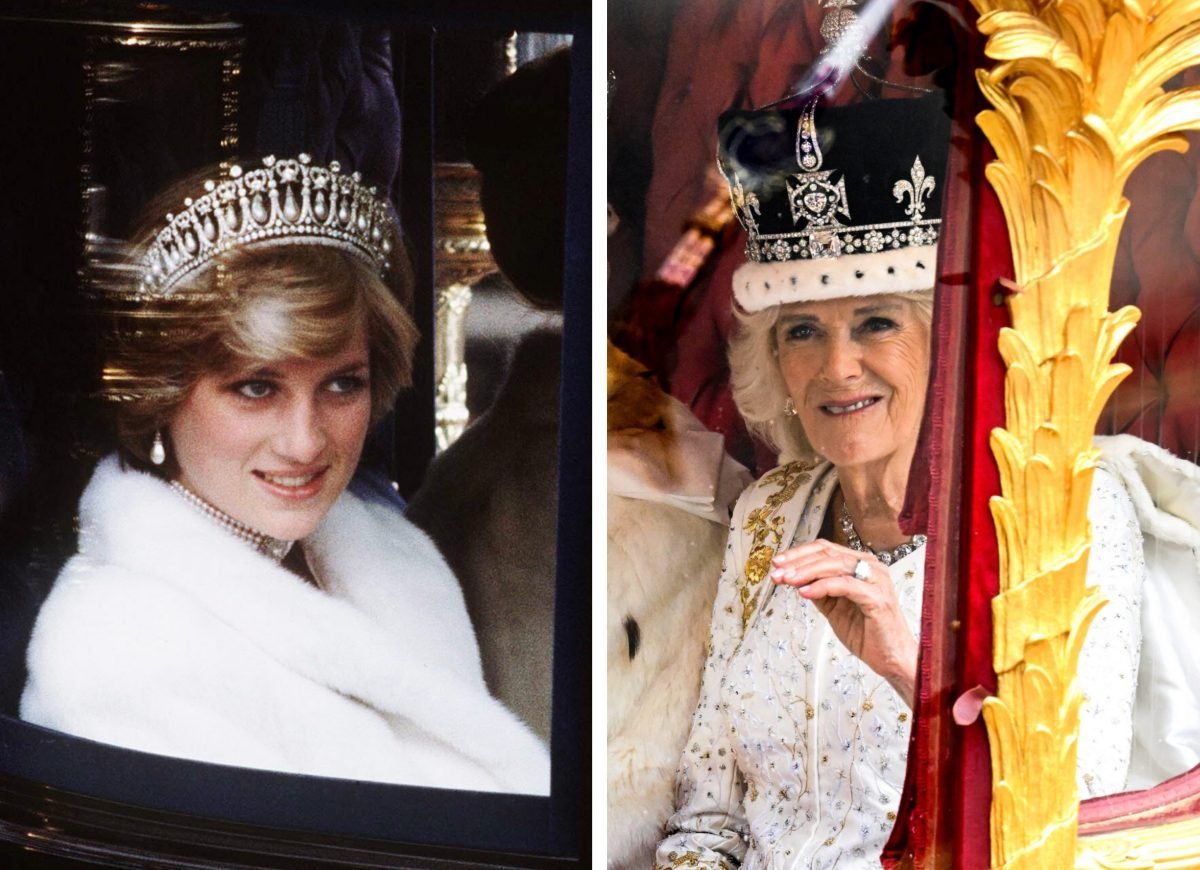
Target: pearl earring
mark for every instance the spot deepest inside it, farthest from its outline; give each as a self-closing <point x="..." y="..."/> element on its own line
<point x="789" y="408"/>
<point x="158" y="453"/>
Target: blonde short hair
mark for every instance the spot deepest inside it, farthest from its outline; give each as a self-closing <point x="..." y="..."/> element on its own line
<point x="759" y="390"/>
<point x="253" y="305"/>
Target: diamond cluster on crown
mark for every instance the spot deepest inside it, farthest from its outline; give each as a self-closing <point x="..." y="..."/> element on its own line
<point x="284" y="201"/>
<point x="819" y="208"/>
<point x="824" y="236"/>
<point x="813" y="196"/>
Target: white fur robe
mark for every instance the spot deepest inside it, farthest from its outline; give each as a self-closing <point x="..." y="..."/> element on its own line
<point x="168" y="635"/>
<point x="668" y="511"/>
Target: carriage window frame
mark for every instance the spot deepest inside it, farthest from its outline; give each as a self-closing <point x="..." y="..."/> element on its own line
<point x="949" y="815"/>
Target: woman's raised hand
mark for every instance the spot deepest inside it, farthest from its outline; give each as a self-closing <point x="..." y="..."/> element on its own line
<point x="862" y="608"/>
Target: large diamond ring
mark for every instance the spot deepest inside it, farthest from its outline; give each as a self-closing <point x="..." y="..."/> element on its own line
<point x="862" y="570"/>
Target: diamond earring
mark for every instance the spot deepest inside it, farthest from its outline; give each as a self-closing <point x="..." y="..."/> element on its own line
<point x="158" y="453"/>
<point x="789" y="408"/>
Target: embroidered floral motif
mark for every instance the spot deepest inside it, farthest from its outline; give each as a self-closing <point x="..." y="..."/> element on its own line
<point x="766" y="530"/>
<point x="687" y="859"/>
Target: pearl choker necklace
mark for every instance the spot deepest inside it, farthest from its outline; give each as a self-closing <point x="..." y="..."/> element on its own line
<point x="887" y="557"/>
<point x="273" y="548"/>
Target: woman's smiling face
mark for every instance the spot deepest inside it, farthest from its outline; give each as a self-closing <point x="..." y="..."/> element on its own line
<point x="856" y="369"/>
<point x="273" y="445"/>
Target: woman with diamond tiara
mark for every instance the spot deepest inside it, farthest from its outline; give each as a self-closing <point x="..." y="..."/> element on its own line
<point x="232" y="601"/>
<point x="797" y="752"/>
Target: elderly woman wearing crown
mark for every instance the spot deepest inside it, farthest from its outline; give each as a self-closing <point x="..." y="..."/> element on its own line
<point x="232" y="601"/>
<point x="796" y="756"/>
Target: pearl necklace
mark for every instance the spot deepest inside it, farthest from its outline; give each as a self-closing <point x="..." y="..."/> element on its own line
<point x="887" y="557"/>
<point x="273" y="548"/>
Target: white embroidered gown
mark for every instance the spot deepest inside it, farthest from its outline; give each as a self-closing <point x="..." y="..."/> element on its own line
<point x="797" y="753"/>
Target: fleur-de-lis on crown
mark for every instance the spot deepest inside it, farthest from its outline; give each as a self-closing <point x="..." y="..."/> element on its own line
<point x="745" y="204"/>
<point x="918" y="189"/>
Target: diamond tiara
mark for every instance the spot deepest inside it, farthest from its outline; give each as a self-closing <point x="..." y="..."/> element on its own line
<point x="284" y="201"/>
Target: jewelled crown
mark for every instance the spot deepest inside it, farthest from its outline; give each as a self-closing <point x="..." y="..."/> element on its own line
<point x="283" y="202"/>
<point x="836" y="201"/>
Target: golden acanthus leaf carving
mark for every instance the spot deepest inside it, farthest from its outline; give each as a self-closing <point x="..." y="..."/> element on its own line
<point x="1077" y="103"/>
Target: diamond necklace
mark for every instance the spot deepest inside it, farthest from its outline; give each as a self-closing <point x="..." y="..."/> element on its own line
<point x="273" y="548"/>
<point x="887" y="557"/>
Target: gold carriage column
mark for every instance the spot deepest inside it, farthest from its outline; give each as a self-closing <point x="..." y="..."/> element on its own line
<point x="462" y="256"/>
<point x="1078" y="103"/>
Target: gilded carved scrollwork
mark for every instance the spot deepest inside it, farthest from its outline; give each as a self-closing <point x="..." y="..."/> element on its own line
<point x="450" y="364"/>
<point x="1078" y="102"/>
<point x="1171" y="845"/>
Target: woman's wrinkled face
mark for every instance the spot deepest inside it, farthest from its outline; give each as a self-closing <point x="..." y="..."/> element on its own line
<point x="273" y="445"/>
<point x="856" y="370"/>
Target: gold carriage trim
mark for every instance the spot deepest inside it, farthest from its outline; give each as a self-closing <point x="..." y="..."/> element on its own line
<point x="1078" y="102"/>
